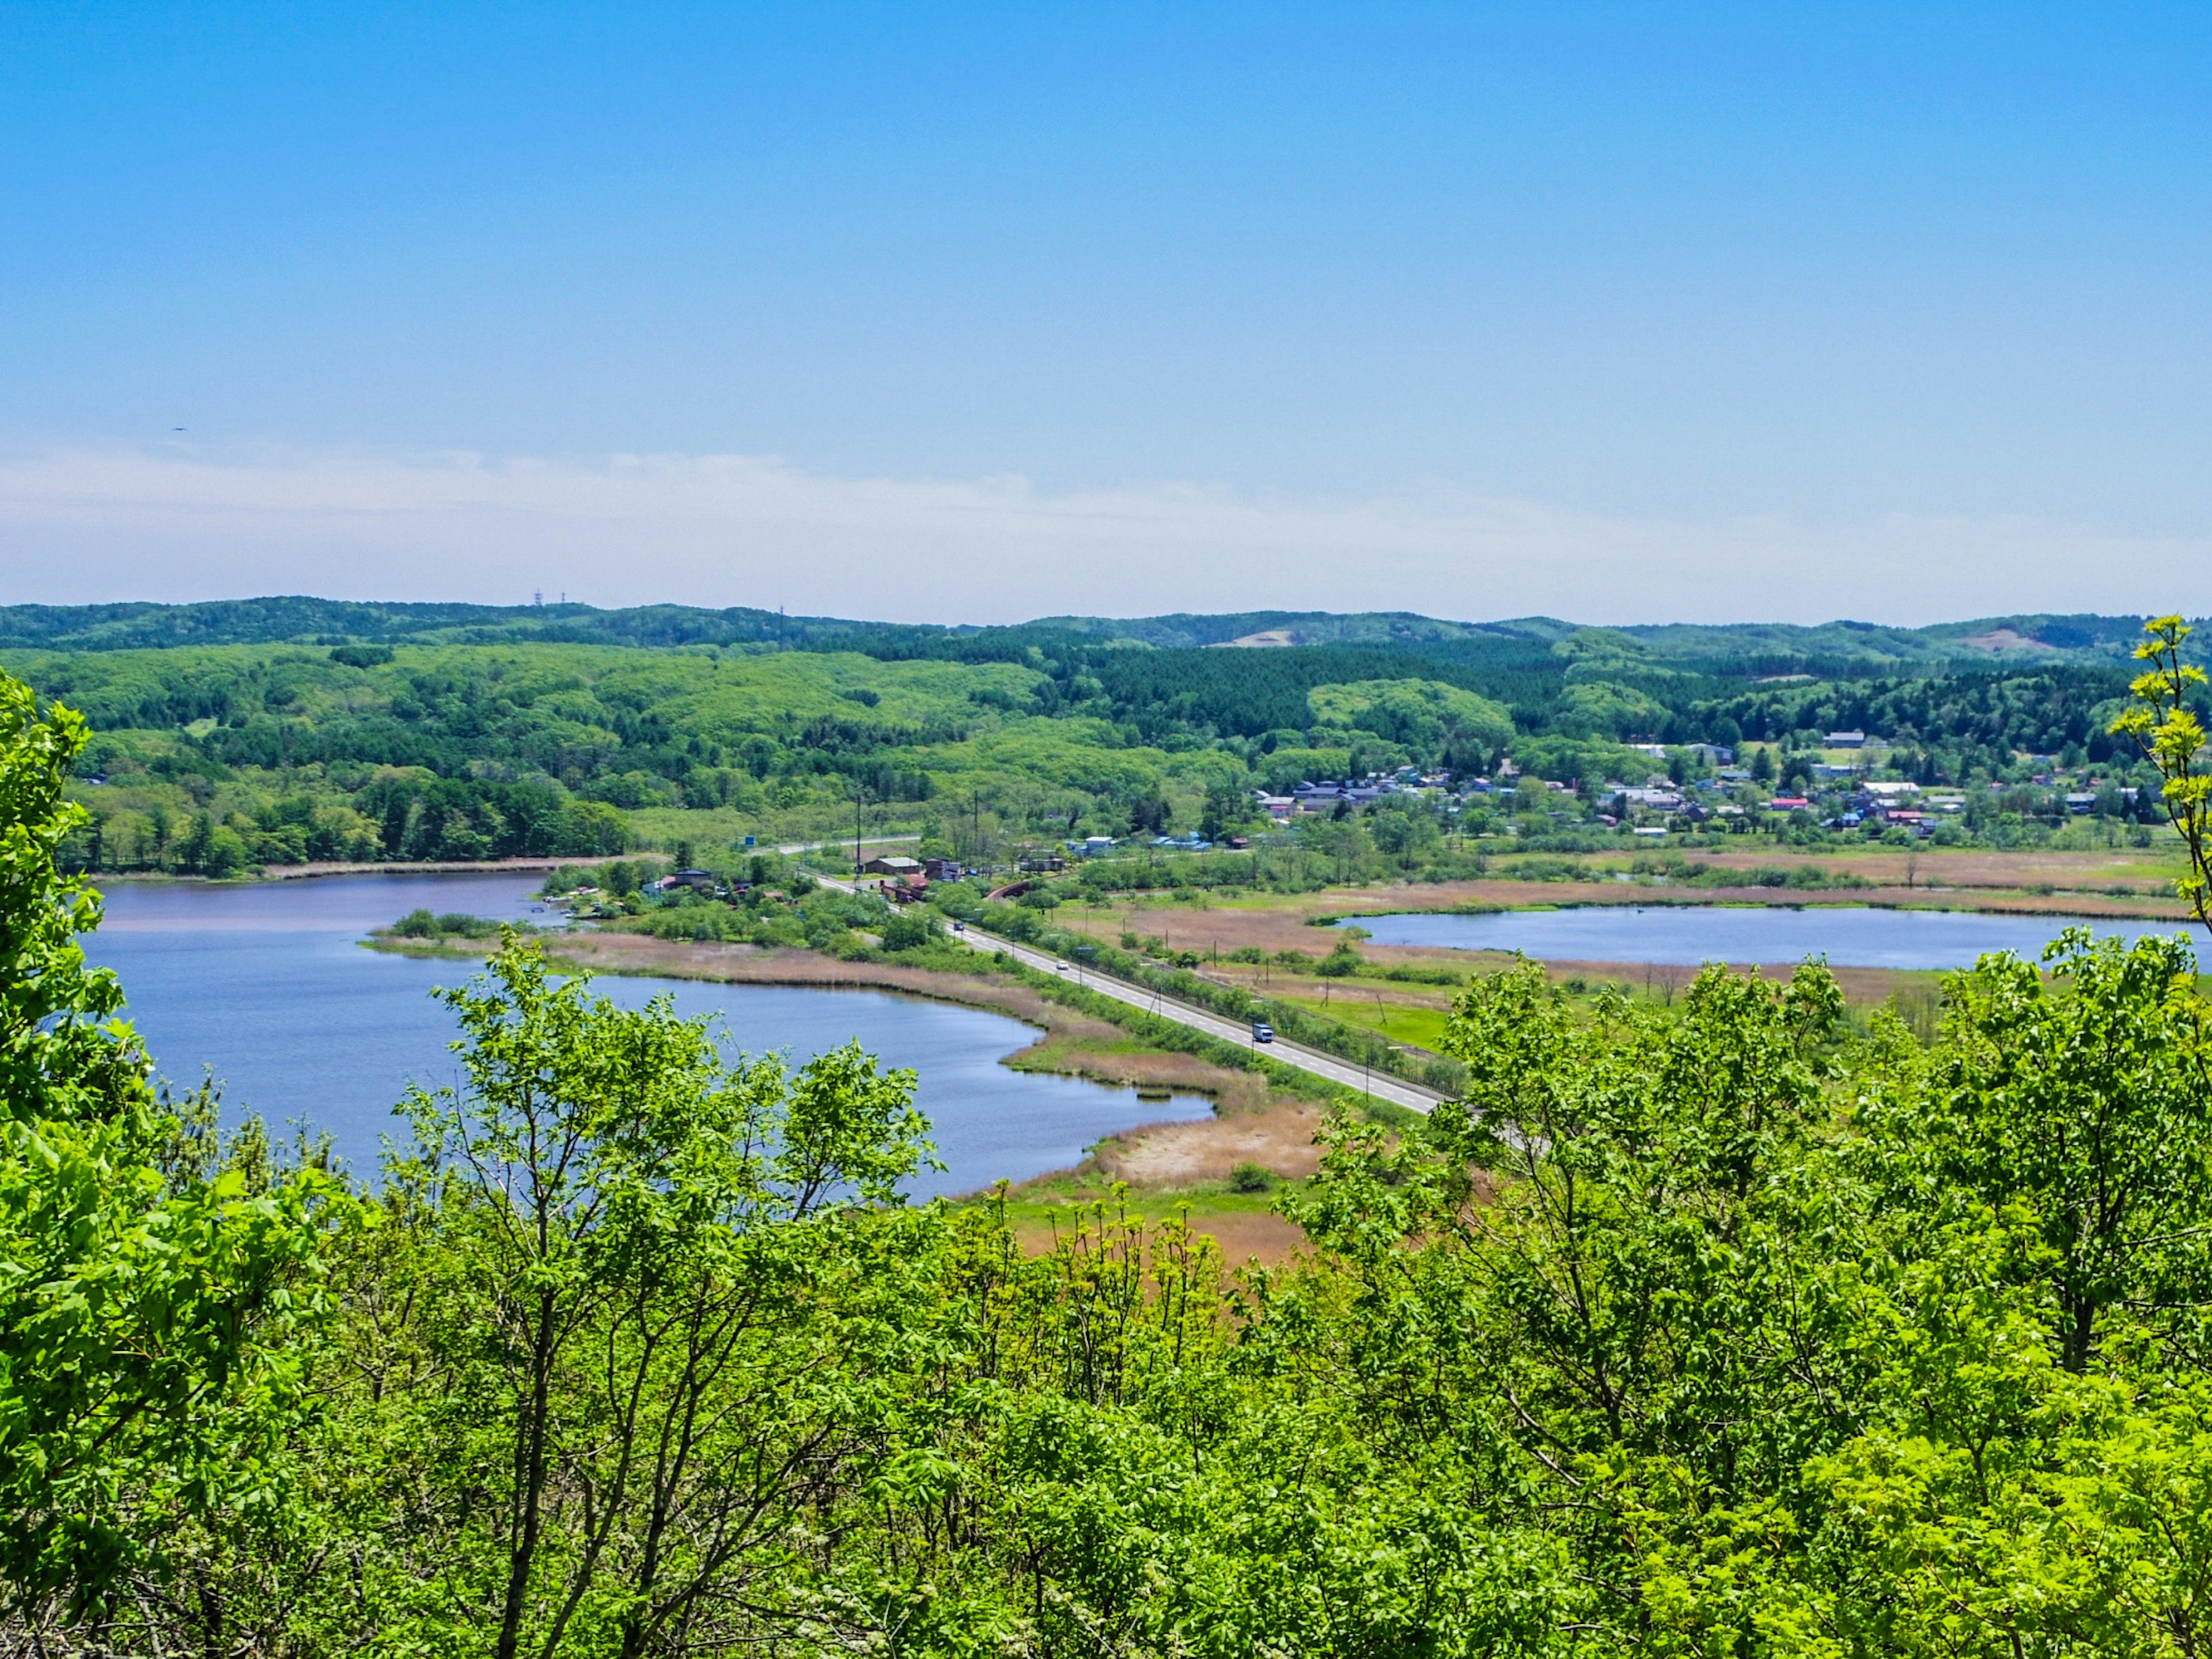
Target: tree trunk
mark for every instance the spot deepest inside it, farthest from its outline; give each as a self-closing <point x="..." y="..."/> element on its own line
<point x="531" y="1468"/>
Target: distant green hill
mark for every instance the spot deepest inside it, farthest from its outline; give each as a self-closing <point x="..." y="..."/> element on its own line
<point x="1373" y="629"/>
<point x="1730" y="649"/>
<point x="298" y="620"/>
<point x="1990" y="638"/>
<point x="1723" y="648"/>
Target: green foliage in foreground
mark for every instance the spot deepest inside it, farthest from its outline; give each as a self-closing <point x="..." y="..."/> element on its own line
<point x="152" y="1309"/>
<point x="1712" y="1330"/>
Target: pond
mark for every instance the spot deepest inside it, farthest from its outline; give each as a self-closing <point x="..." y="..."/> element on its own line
<point x="1848" y="935"/>
<point x="267" y="985"/>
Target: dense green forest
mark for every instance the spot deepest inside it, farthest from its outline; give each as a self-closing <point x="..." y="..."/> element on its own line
<point x="1739" y="647"/>
<point x="284" y="730"/>
<point x="1722" y="1328"/>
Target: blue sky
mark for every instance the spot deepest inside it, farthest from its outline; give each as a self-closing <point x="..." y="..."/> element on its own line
<point x="1635" y="313"/>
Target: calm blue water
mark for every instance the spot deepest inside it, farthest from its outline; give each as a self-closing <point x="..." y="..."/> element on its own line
<point x="269" y="985"/>
<point x="1848" y="936"/>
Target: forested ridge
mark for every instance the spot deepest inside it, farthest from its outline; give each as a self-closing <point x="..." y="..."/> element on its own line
<point x="444" y="731"/>
<point x="1727" y="1327"/>
<point x="1838" y="647"/>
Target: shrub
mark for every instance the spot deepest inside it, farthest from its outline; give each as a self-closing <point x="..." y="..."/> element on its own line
<point x="911" y="931"/>
<point x="1250" y="1178"/>
<point x="1013" y="922"/>
<point x="1341" y="962"/>
<point x="956" y="898"/>
<point x="696" y="922"/>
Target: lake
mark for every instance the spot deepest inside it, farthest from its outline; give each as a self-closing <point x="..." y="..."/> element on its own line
<point x="1848" y="936"/>
<point x="267" y="984"/>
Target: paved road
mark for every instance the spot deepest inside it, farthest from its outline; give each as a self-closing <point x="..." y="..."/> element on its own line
<point x="1328" y="1066"/>
<point x="866" y="840"/>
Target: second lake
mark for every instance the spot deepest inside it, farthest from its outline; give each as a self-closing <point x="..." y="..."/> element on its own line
<point x="268" y="986"/>
<point x="1848" y="936"/>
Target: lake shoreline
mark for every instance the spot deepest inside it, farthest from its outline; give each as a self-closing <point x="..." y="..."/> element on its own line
<point x="265" y="986"/>
<point x="1251" y="1122"/>
<point x="1645" y="898"/>
<point x="2088" y="906"/>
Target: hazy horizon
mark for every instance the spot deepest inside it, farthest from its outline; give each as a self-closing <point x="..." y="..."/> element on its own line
<point x="562" y="601"/>
<point x="1612" y="311"/>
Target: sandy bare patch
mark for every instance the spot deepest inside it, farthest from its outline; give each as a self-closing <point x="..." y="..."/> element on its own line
<point x="1176" y="1155"/>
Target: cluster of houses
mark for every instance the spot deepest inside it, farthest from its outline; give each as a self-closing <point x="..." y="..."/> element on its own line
<point x="1650" y="808"/>
<point x="1091" y="846"/>
<point x="1307" y="799"/>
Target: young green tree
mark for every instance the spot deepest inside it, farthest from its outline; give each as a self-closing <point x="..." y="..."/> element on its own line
<point x="2172" y="737"/>
<point x="2085" y="1100"/>
<point x="667" y="1305"/>
<point x="149" y="1318"/>
<point x="1602" y="1282"/>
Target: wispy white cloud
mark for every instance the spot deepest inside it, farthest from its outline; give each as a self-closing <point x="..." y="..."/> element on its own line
<point x="84" y="525"/>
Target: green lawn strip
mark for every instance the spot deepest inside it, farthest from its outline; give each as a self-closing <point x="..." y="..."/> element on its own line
<point x="1399" y="1021"/>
